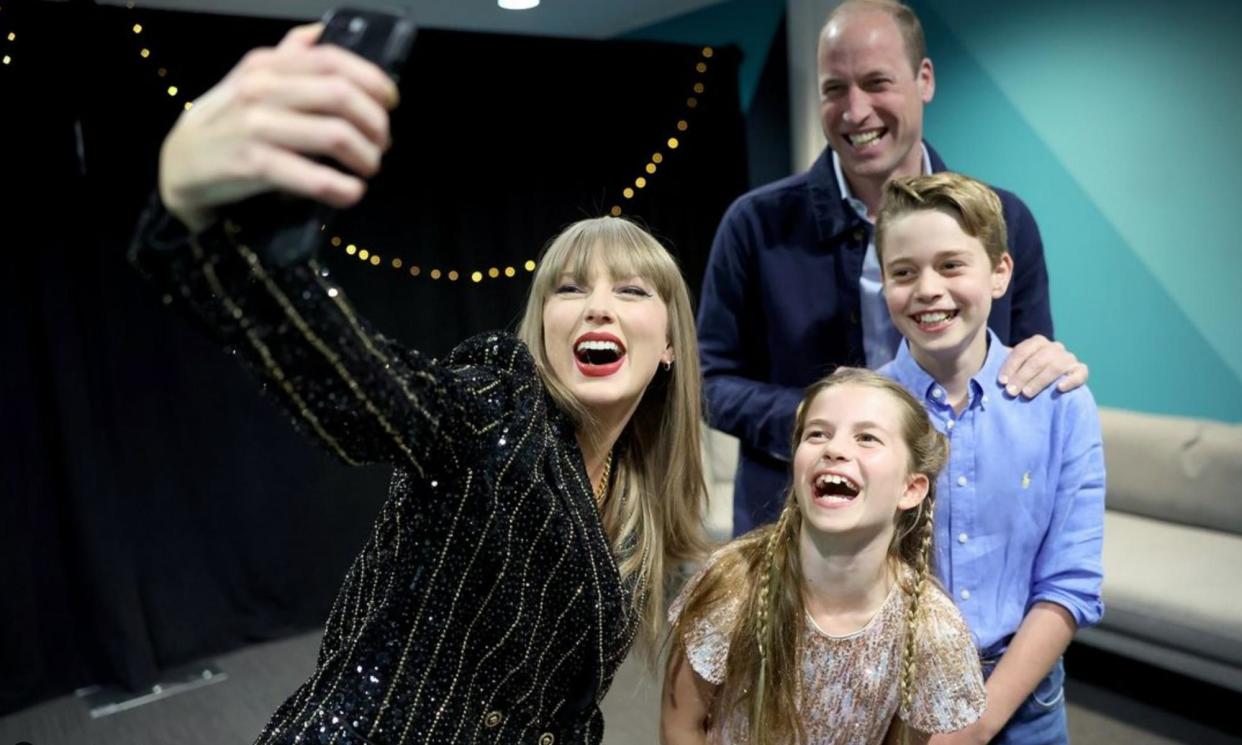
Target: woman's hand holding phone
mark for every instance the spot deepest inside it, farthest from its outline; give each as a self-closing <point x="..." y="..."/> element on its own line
<point x="270" y="121"/>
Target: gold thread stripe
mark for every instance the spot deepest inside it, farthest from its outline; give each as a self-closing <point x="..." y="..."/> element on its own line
<point x="332" y="357"/>
<point x="339" y="299"/>
<point x="577" y="514"/>
<point x="539" y="662"/>
<point x="534" y="627"/>
<point x="500" y="477"/>
<point x="418" y="616"/>
<point x="461" y="656"/>
<point x="548" y="679"/>
<point x="218" y="288"/>
<point x="273" y="367"/>
<point x="353" y="644"/>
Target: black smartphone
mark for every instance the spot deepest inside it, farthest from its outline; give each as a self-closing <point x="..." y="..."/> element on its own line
<point x="382" y="37"/>
<point x="285" y="228"/>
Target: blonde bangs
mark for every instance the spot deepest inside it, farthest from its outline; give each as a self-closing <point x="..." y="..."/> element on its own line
<point x="625" y="250"/>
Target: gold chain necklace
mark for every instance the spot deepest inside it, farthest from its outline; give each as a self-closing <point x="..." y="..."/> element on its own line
<point x="601" y="491"/>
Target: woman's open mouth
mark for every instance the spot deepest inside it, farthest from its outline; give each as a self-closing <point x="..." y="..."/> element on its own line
<point x="599" y="355"/>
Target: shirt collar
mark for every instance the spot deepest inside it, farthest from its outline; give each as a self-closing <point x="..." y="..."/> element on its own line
<point x="907" y="371"/>
<point x="844" y="186"/>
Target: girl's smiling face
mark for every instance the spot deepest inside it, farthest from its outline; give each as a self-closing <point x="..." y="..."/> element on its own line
<point x="851" y="466"/>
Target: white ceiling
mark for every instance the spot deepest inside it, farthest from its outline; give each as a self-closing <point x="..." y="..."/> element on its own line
<point x="593" y="19"/>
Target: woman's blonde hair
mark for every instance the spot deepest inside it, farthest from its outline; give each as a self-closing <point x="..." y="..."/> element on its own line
<point x="764" y="665"/>
<point x="653" y="515"/>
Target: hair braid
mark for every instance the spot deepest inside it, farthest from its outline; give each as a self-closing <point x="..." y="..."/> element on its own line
<point x="763" y="637"/>
<point x="922" y="568"/>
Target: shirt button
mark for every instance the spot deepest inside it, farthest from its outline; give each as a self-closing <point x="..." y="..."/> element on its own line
<point x="962" y="538"/>
<point x="949" y="424"/>
<point x="937" y="393"/>
<point x="961" y="481"/>
<point x="965" y="594"/>
<point x="546" y="739"/>
<point x="985" y="398"/>
<point x="492" y="719"/>
<point x="858" y="234"/>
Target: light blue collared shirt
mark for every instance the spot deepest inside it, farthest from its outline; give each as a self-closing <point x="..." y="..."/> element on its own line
<point x="880" y="337"/>
<point x="1020" y="504"/>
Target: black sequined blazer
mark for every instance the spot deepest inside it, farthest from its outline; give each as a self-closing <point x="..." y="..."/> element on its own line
<point x="486" y="606"/>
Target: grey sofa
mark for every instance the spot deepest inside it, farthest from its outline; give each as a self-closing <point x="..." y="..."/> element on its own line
<point x="1172" y="540"/>
<point x="1173" y="545"/>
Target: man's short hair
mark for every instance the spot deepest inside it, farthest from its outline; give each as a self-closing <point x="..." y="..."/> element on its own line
<point x="908" y="24"/>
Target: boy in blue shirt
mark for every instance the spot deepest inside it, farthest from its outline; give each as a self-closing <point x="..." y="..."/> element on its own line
<point x="1019" y="526"/>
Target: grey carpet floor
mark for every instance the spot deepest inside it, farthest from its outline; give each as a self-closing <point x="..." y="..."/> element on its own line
<point x="259" y="677"/>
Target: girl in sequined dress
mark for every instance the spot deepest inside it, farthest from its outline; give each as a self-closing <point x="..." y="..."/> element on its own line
<point x="544" y="484"/>
<point x="828" y="627"/>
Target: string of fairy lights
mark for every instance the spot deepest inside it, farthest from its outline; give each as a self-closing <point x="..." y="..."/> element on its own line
<point x="414" y="269"/>
<point x="10" y="42"/>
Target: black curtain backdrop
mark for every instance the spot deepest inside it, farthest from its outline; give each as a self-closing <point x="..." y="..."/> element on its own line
<point x="154" y="508"/>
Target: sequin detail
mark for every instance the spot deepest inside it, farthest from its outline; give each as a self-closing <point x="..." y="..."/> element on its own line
<point x="486" y="606"/>
<point x="850" y="685"/>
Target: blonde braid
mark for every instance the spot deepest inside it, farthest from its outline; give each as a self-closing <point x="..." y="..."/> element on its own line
<point x="921" y="570"/>
<point x="771" y="570"/>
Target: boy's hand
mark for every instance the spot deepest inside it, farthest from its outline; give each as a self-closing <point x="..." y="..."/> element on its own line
<point x="1035" y="363"/>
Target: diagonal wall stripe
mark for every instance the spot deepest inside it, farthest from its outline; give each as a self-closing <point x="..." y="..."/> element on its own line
<point x="1138" y="103"/>
<point x="1111" y="306"/>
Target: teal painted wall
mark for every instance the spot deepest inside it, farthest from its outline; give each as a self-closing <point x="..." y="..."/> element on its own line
<point x="1120" y="124"/>
<point x="748" y="24"/>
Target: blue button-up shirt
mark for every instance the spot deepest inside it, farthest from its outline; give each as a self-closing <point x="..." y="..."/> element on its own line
<point x="1020" y="504"/>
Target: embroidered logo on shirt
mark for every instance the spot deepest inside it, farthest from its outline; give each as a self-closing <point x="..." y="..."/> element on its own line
<point x="1026" y="480"/>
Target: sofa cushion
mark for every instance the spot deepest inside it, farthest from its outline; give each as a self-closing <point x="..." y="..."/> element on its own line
<point x="1173" y="584"/>
<point x="1187" y="471"/>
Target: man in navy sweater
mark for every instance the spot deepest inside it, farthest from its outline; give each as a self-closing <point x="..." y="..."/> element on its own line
<point x="792" y="288"/>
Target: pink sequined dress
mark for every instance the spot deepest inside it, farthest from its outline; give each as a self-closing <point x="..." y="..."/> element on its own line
<point x="850" y="686"/>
